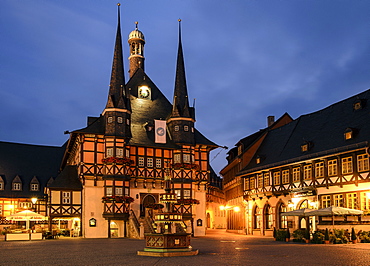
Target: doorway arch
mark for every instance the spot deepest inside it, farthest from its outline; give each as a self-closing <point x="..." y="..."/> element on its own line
<point x="148" y="199"/>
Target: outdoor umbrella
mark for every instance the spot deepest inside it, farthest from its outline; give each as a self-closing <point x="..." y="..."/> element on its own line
<point x="334" y="210"/>
<point x="299" y="212"/>
<point x="27" y="216"/>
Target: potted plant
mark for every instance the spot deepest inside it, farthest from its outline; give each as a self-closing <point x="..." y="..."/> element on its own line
<point x="326" y="237"/>
<point x="353" y="236"/>
<point x="287" y="235"/>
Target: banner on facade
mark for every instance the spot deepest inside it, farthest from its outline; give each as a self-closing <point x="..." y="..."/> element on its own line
<point x="160" y="131"/>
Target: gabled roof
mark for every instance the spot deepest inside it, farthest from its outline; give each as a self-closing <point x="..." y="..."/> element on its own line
<point x="67" y="179"/>
<point x="323" y="130"/>
<point x="28" y="161"/>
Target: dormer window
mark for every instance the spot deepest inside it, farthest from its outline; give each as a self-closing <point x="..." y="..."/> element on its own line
<point x="349" y="133"/>
<point x="34" y="186"/>
<point x="306" y="146"/>
<point x="359" y="104"/>
<point x="17" y="184"/>
<point x="259" y="159"/>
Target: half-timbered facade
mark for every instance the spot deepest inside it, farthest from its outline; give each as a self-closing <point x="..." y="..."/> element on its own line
<point x="316" y="161"/>
<point x="122" y="156"/>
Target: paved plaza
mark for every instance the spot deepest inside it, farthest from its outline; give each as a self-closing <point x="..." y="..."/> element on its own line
<point x="218" y="247"/>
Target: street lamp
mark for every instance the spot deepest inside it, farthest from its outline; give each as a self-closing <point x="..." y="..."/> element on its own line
<point x="34" y="200"/>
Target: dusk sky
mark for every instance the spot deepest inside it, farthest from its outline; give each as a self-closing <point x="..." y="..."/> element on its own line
<point x="244" y="59"/>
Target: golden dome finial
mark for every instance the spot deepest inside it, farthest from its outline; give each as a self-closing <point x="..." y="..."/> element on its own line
<point x="179" y="20"/>
<point x="118" y="4"/>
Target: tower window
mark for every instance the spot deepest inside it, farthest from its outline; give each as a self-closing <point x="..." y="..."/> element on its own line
<point x="120" y="120"/>
<point x="128" y="122"/>
<point x="110" y="119"/>
<point x="177" y="128"/>
<point x="186" y="128"/>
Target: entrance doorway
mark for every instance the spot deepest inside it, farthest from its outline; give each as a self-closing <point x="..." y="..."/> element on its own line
<point x="147" y="200"/>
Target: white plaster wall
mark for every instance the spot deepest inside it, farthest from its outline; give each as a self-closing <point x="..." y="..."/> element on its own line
<point x="199" y="211"/>
<point x="93" y="208"/>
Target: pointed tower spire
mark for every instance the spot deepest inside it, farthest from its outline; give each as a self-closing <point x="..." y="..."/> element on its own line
<point x="180" y="100"/>
<point x="116" y="96"/>
<point x="181" y="120"/>
<point x="117" y="111"/>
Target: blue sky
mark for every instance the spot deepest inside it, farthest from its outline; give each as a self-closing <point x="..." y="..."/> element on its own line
<point x="244" y="59"/>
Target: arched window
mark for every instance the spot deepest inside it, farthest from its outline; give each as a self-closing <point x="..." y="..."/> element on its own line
<point x="268" y="217"/>
<point x="281" y="220"/>
<point x="257" y="218"/>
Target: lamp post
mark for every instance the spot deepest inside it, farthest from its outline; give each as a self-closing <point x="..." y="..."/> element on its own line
<point x="34" y="200"/>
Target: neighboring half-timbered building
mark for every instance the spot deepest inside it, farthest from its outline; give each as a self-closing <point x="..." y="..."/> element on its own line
<point x="316" y="161"/>
<point x="122" y="156"/>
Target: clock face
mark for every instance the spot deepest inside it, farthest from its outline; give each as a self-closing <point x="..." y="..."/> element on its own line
<point x="144" y="92"/>
<point x="160" y="131"/>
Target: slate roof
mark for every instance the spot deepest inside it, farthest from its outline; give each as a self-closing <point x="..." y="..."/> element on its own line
<point x="322" y="130"/>
<point x="143" y="111"/>
<point x="28" y="161"/>
<point x="67" y="179"/>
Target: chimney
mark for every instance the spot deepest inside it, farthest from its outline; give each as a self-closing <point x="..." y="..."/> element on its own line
<point x="270" y="120"/>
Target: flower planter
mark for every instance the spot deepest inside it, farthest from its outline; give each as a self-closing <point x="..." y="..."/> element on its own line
<point x="326" y="242"/>
<point x="287" y="239"/>
<point x="307" y="241"/>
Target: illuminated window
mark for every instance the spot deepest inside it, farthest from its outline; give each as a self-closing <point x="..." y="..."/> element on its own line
<point x="246" y="184"/>
<point x="347" y="165"/>
<point x="109" y="152"/>
<point x="338" y="200"/>
<point x="187" y="193"/>
<point x="319" y="169"/>
<point x="365" y="201"/>
<point x="257" y="218"/>
<point x="110" y="119"/>
<point x="177" y="158"/>
<point x="268" y="217"/>
<point x="120" y="119"/>
<point x="277" y="178"/>
<point x="260" y="180"/>
<point x="304" y="147"/>
<point x="351" y="200"/>
<point x="108" y="191"/>
<point x="119" y="191"/>
<point x="266" y="179"/>
<point x="253" y="183"/>
<point x="158" y="163"/>
<point x="348" y="133"/>
<point x="325" y="201"/>
<point x="186" y="158"/>
<point x="283" y="221"/>
<point x="296" y="173"/>
<point x="66" y="197"/>
<point x="307" y="172"/>
<point x="1" y="209"/>
<point x="141" y="161"/>
<point x="127" y="121"/>
<point x="1" y="184"/>
<point x="332" y="167"/>
<point x="149" y="162"/>
<point x="240" y="149"/>
<point x="285" y="176"/>
<point x="177" y="128"/>
<point x="186" y="128"/>
<point x="119" y="152"/>
<point x="363" y="162"/>
<point x="127" y="153"/>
